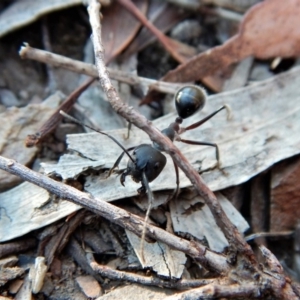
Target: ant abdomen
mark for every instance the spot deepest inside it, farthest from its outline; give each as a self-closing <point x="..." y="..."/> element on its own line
<point x="188" y="100"/>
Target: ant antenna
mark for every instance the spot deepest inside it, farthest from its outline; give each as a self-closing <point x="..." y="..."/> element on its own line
<point x="97" y="130"/>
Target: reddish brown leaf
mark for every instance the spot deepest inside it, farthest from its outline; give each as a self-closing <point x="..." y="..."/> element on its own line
<point x="162" y="15"/>
<point x="269" y="29"/>
<point x="172" y="46"/>
<point x="285" y="196"/>
<point x="119" y="27"/>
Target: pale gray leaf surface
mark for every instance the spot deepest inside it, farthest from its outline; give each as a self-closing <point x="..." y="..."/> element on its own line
<point x="159" y="257"/>
<point x="75" y="165"/>
<point x="28" y="207"/>
<point x="19" y="122"/>
<point x="264" y="130"/>
<point x="200" y="223"/>
<point x="23" y="12"/>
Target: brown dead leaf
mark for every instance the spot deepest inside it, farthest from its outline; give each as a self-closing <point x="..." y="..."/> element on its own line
<point x="162" y="15"/>
<point x="269" y="29"/>
<point x="176" y="49"/>
<point x="285" y="196"/>
<point x="119" y="27"/>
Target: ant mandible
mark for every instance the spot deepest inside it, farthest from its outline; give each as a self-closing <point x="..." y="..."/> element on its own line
<point x="147" y="161"/>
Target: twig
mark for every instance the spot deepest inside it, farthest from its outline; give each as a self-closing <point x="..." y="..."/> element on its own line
<point x="207" y="258"/>
<point x="60" y="240"/>
<point x="235" y="239"/>
<point x="132" y="277"/>
<point x="78" y="254"/>
<point x="59" y="61"/>
<point x="214" y="291"/>
<point x="16" y="246"/>
<point x="253" y="236"/>
<point x="52" y="122"/>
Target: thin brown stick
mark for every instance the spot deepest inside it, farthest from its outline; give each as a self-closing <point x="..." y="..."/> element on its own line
<point x="59" y="61"/>
<point x="167" y="42"/>
<point x="52" y="122"/>
<point x="235" y="239"/>
<point x="14" y="247"/>
<point x="287" y="233"/>
<point x="132" y="277"/>
<point x="217" y="291"/>
<point x="207" y="258"/>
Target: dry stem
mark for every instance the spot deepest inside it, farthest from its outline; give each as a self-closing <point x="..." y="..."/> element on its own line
<point x="145" y="280"/>
<point x="59" y="61"/>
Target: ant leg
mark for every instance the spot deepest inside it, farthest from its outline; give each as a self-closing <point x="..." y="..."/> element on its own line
<point x="197" y="124"/>
<point x="150" y="203"/>
<point x="129" y="125"/>
<point x="218" y="165"/>
<point x="116" y="164"/>
<point x="176" y="191"/>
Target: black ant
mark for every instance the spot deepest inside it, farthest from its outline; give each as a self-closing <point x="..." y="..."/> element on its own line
<point x="147" y="161"/>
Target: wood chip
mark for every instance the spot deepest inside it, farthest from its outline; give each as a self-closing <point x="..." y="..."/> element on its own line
<point x="89" y="286"/>
<point x="15" y="286"/>
<point x="7" y="274"/>
<point x="159" y="257"/>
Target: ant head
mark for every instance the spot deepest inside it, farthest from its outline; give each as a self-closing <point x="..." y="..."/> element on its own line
<point x="189" y="99"/>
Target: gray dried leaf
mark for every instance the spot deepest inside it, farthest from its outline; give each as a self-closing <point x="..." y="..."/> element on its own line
<point x="200" y="222"/>
<point x="40" y="210"/>
<point x="264" y="130"/>
<point x="23" y="12"/>
<point x="19" y="122"/>
<point x="159" y="257"/>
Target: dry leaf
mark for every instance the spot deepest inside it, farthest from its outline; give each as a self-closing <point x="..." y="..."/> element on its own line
<point x="23" y="12"/>
<point x="162" y="15"/>
<point x="19" y="122"/>
<point x="285" y="196"/>
<point x="119" y="27"/>
<point x="269" y="29"/>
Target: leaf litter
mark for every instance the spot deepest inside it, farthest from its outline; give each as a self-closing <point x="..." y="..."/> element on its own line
<point x="250" y="143"/>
